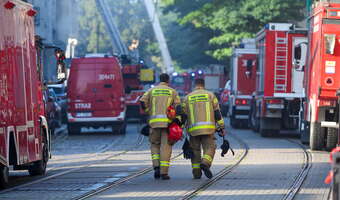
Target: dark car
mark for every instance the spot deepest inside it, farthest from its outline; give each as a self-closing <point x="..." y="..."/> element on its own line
<point x="61" y="98"/>
<point x="52" y="109"/>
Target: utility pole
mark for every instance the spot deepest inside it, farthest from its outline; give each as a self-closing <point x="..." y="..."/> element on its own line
<point x="167" y="62"/>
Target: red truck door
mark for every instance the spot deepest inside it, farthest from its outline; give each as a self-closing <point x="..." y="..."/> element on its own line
<point x="82" y="87"/>
<point x="246" y="74"/>
<point x="109" y="88"/>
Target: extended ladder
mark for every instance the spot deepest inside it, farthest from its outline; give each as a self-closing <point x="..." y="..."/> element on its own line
<point x="281" y="62"/>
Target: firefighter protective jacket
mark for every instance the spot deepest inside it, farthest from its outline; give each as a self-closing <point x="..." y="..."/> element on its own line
<point x="156" y="101"/>
<point x="200" y="106"/>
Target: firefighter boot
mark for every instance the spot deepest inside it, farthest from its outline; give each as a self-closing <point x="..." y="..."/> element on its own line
<point x="165" y="177"/>
<point x="157" y="173"/>
<point x="197" y="173"/>
<point x="207" y="171"/>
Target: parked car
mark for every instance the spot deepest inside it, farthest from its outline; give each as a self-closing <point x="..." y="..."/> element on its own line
<point x="52" y="109"/>
<point x="61" y="98"/>
<point x="224" y="99"/>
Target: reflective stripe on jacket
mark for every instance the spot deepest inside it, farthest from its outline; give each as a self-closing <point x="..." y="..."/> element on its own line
<point x="199" y="106"/>
<point x="157" y="100"/>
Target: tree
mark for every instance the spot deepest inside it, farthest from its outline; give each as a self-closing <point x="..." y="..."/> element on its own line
<point x="93" y="37"/>
<point x="131" y="20"/>
<point x="187" y="44"/>
<point x="237" y="19"/>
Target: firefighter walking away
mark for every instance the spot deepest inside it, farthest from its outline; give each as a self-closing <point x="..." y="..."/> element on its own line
<point x="155" y="102"/>
<point x="203" y="116"/>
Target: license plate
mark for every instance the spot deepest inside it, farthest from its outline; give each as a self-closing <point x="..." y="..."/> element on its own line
<point x="87" y="114"/>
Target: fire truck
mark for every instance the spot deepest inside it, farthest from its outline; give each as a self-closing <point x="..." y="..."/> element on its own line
<point x="182" y="82"/>
<point x="214" y="77"/>
<point x="134" y="78"/>
<point x="243" y="82"/>
<point x="320" y="124"/>
<point x="24" y="133"/>
<point x="279" y="85"/>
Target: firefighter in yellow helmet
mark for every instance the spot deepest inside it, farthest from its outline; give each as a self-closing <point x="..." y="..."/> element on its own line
<point x="155" y="102"/>
<point x="203" y="117"/>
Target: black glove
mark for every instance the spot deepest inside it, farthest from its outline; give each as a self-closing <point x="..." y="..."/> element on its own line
<point x="220" y="132"/>
<point x="187" y="150"/>
<point x="145" y="130"/>
<point x="225" y="148"/>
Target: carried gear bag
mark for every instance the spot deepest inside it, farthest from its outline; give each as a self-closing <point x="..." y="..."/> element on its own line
<point x="175" y="133"/>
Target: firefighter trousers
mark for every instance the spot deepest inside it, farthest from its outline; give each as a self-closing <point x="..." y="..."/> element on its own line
<point x="160" y="149"/>
<point x="208" y="144"/>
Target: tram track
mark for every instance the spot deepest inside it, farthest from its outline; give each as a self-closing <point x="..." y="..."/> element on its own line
<point x="188" y="195"/>
<point x="191" y="194"/>
<point x="102" y="152"/>
<point x="302" y="175"/>
<point x="292" y="191"/>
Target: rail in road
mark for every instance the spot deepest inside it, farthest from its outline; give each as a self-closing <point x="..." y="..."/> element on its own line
<point x="75" y="186"/>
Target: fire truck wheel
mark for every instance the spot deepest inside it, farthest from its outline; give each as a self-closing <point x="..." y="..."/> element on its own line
<point x="4" y="176"/>
<point x="332" y="138"/>
<point x="73" y="129"/>
<point x="316" y="140"/>
<point x="39" y="167"/>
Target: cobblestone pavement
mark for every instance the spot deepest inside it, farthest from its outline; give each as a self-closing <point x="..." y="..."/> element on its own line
<point x="314" y="186"/>
<point x="267" y="172"/>
<point x="70" y="154"/>
<point x="145" y="187"/>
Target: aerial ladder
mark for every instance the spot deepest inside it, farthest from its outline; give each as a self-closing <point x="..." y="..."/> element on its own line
<point x="167" y="66"/>
<point x="117" y="43"/>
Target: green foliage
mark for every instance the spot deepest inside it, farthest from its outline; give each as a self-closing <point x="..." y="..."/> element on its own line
<point x="132" y="21"/>
<point x="187" y="45"/>
<point x="239" y="19"/>
<point x="232" y="20"/>
<point x="93" y="37"/>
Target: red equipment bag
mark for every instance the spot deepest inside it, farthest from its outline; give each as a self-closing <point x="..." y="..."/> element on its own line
<point x="175" y="132"/>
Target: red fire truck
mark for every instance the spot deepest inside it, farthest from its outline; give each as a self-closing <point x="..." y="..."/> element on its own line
<point x="276" y="102"/>
<point x="182" y="82"/>
<point x="322" y="79"/>
<point x="243" y="82"/>
<point x="24" y="133"/>
<point x="134" y="77"/>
